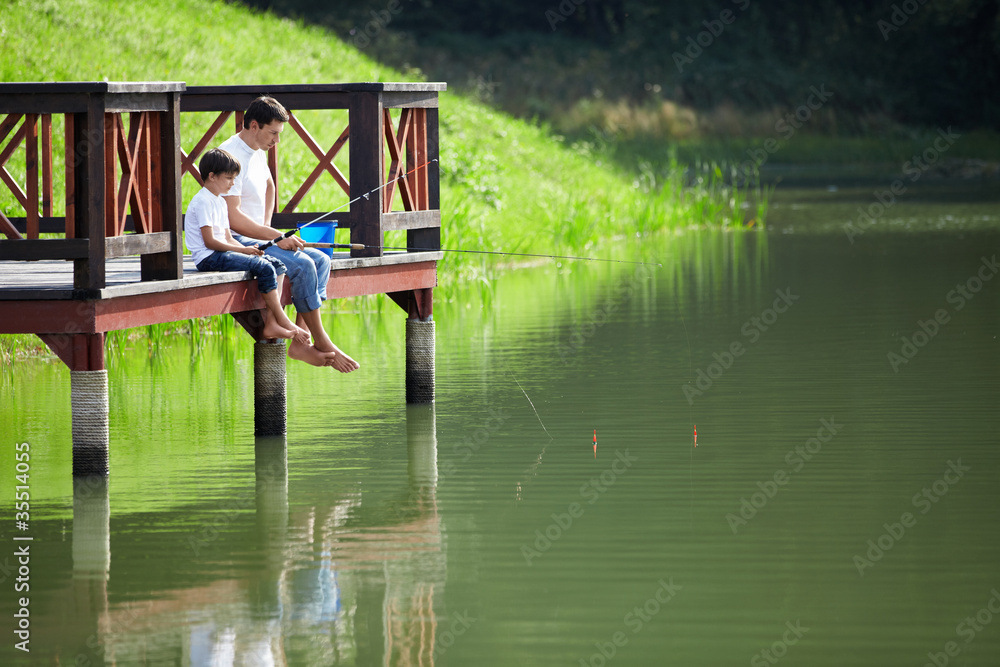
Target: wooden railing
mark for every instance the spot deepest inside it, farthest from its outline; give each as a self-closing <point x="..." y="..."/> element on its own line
<point x="411" y="149"/>
<point x="125" y="160"/>
<point x="109" y="170"/>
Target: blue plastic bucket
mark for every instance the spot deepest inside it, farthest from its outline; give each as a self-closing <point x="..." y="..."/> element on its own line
<point x="318" y="232"/>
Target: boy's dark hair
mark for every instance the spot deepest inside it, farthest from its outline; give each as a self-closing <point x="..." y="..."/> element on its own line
<point x="217" y="161"/>
<point x="265" y="110"/>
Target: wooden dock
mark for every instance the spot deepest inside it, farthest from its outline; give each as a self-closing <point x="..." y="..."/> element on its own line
<point x="117" y="259"/>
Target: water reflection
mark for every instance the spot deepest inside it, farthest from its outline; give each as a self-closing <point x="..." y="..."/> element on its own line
<point x="324" y="583"/>
<point x="91" y="559"/>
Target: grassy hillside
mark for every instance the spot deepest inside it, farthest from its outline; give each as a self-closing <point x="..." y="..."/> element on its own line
<point x="507" y="185"/>
<point x="505" y="182"/>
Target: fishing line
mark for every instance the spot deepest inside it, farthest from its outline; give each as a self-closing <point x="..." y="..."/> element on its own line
<point x="522" y="254"/>
<point x="532" y="406"/>
<point x="361" y="246"/>
<point x="532" y="469"/>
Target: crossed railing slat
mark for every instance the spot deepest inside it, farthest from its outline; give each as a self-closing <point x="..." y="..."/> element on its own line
<point x="325" y="162"/>
<point x="27" y="197"/>
<point x="412" y="133"/>
<point x="134" y="190"/>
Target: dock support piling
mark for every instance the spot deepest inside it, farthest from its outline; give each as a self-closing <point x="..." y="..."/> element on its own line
<point x="269" y="387"/>
<point x="419" y="360"/>
<point x="89" y="401"/>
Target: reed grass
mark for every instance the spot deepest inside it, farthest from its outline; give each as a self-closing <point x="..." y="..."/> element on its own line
<point x="507" y="185"/>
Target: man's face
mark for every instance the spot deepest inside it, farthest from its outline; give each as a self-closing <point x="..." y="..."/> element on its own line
<point x="267" y="136"/>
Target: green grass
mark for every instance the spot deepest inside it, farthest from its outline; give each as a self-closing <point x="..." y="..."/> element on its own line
<point x="507" y="185"/>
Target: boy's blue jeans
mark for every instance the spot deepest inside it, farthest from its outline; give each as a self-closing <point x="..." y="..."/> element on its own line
<point x="308" y="271"/>
<point x="265" y="269"/>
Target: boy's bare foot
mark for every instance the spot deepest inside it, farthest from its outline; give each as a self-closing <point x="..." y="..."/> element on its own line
<point x="274" y="330"/>
<point x="301" y="335"/>
<point x="309" y="354"/>
<point x="342" y="362"/>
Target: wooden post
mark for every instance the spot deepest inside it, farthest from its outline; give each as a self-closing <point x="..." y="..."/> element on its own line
<point x="429" y="237"/>
<point x="111" y="213"/>
<point x="71" y="166"/>
<point x="47" y="165"/>
<point x="365" y="115"/>
<point x="166" y="161"/>
<point x="31" y="174"/>
<point x="88" y="193"/>
<point x="272" y="165"/>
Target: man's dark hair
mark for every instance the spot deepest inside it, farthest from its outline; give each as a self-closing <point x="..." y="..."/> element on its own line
<point x="217" y="161"/>
<point x="265" y="110"/>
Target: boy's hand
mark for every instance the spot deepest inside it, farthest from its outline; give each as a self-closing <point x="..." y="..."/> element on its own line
<point x="254" y="250"/>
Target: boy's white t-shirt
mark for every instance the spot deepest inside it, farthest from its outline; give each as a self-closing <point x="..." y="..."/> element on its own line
<point x="251" y="183"/>
<point x="205" y="210"/>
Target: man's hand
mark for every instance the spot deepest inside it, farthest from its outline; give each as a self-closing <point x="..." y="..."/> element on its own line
<point x="292" y="243"/>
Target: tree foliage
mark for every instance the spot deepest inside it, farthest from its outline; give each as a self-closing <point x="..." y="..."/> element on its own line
<point x="919" y="61"/>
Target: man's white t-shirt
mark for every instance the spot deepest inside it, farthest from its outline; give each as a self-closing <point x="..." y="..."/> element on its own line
<point x="205" y="210"/>
<point x="251" y="183"/>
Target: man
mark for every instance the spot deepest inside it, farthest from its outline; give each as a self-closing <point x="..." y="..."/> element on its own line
<point x="251" y="203"/>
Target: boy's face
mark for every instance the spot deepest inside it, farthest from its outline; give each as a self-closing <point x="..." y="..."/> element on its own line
<point x="267" y="136"/>
<point x="220" y="184"/>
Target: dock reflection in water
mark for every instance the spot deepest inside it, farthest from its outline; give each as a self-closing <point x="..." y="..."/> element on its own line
<point x="324" y="586"/>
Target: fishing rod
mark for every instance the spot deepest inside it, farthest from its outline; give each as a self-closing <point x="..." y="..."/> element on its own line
<point x="365" y="196"/>
<point x="362" y="246"/>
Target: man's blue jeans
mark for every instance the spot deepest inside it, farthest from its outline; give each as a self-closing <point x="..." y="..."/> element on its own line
<point x="308" y="271"/>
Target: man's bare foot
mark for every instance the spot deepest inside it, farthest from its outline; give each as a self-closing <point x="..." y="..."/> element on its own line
<point x="324" y="344"/>
<point x="274" y="330"/>
<point x="342" y="362"/>
<point x="309" y="354"/>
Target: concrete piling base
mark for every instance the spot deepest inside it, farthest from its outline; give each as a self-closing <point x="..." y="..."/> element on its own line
<point x="269" y="388"/>
<point x="89" y="401"/>
<point x="419" y="360"/>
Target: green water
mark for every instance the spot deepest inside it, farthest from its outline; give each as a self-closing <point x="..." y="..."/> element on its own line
<point x="485" y="531"/>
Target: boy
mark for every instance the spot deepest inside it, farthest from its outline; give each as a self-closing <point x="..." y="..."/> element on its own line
<point x="206" y="230"/>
